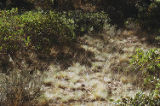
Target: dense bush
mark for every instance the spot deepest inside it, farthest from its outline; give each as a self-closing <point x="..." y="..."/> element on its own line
<point x="33" y="29"/>
<point x="145" y="11"/>
<point x="119" y="10"/>
<point x="87" y="21"/>
<point x="40" y="30"/>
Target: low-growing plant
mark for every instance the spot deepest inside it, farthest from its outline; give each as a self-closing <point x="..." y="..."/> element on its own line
<point x="148" y="64"/>
<point x="140" y="99"/>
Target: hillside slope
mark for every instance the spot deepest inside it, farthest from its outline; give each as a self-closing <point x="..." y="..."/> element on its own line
<point x="99" y="74"/>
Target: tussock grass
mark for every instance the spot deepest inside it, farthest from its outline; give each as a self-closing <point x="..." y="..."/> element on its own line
<point x="106" y="78"/>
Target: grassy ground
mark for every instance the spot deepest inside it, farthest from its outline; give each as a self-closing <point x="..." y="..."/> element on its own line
<point x="99" y="73"/>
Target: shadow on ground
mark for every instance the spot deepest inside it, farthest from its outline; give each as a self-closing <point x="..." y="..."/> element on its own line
<point x="66" y="55"/>
<point x="63" y="55"/>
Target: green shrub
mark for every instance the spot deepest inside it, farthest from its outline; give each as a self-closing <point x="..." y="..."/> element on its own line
<point x="118" y="10"/>
<point x="36" y="30"/>
<point x="46" y="29"/>
<point x="146" y="61"/>
<point x="40" y="30"/>
<point x="148" y="64"/>
<point x="87" y="21"/>
<point x="140" y="99"/>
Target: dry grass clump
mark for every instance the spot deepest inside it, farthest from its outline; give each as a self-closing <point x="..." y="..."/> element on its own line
<point x="99" y="90"/>
<point x="19" y="88"/>
<point x="105" y="78"/>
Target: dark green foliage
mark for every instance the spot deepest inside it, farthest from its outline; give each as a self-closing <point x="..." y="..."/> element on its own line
<point x="118" y="10"/>
<point x="145" y="11"/>
<point x="40" y="30"/>
<point x="87" y="21"/>
<point x="35" y="30"/>
<point x="149" y="16"/>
